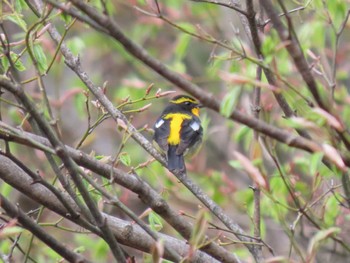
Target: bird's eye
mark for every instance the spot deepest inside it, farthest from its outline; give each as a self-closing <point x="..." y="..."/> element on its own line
<point x="187" y="102"/>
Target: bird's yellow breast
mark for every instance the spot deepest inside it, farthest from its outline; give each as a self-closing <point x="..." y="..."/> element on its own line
<point x="176" y="120"/>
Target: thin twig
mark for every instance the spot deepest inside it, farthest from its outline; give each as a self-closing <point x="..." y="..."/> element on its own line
<point x="28" y="223"/>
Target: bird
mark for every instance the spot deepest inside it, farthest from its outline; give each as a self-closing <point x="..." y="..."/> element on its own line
<point x="178" y="131"/>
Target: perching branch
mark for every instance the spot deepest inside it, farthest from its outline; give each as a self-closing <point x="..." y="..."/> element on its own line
<point x="130" y="181"/>
<point x="127" y="233"/>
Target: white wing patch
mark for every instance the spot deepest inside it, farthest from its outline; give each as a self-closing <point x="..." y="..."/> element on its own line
<point x="159" y="123"/>
<point x="195" y="126"/>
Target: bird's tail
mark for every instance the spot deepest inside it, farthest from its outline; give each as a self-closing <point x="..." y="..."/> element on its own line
<point x="175" y="161"/>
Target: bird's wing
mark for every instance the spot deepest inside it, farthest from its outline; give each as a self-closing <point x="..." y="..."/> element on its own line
<point x="161" y="133"/>
<point x="191" y="133"/>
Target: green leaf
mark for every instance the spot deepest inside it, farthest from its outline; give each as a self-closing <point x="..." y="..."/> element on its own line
<point x="76" y="45"/>
<point x="332" y="210"/>
<point x="10" y="232"/>
<point x="242" y="133"/>
<point x="125" y="158"/>
<point x="80" y="106"/>
<point x="235" y="164"/>
<point x="40" y="58"/>
<point x="100" y="249"/>
<point x="187" y="26"/>
<point x="205" y="119"/>
<point x="199" y="229"/>
<point x="155" y="222"/>
<point x="178" y="66"/>
<point x="5" y="189"/>
<point x="18" y="63"/>
<point x="15" y="18"/>
<point x="20" y="5"/>
<point x="337" y="9"/>
<point x="182" y="45"/>
<point x="229" y="102"/>
<point x="5" y="63"/>
<point x="315" y="162"/>
<point x="269" y="45"/>
<point x="319" y="238"/>
<point x="66" y="18"/>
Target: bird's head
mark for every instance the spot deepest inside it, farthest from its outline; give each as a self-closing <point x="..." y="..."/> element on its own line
<point x="187" y="103"/>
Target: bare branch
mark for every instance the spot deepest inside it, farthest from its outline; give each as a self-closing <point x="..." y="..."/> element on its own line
<point x="130" y="181"/>
<point x="126" y="232"/>
<point x="28" y="223"/>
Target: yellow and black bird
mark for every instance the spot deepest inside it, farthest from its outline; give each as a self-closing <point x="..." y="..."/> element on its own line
<point x="178" y="130"/>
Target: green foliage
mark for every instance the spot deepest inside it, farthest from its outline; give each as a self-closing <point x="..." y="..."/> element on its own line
<point x="20" y="5"/>
<point x="315" y="163"/>
<point x="312" y="35"/>
<point x="80" y="105"/>
<point x="10" y="232"/>
<point x="182" y="46"/>
<point x="198" y="233"/>
<point x="155" y="222"/>
<point x="275" y="205"/>
<point x="5" y="189"/>
<point x="40" y="57"/>
<point x="244" y="198"/>
<point x="337" y="10"/>
<point x="17" y="19"/>
<point x="96" y="247"/>
<point x="76" y="45"/>
<point x="269" y="46"/>
<point x="319" y="238"/>
<point x="332" y="210"/>
<point x="15" y="59"/>
<point x="125" y="158"/>
<point x="229" y="102"/>
<point x="205" y="120"/>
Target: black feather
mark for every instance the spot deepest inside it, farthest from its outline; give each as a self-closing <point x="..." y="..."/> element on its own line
<point x="161" y="135"/>
<point x="189" y="137"/>
<point x="175" y="161"/>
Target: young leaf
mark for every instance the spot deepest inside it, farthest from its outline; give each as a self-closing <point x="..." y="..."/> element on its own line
<point x="20" y="5"/>
<point x="199" y="229"/>
<point x="229" y="102"/>
<point x="15" y="18"/>
<point x="14" y="57"/>
<point x="40" y="58"/>
<point x="315" y="162"/>
<point x="318" y="239"/>
<point x="125" y="159"/>
<point x="155" y="222"/>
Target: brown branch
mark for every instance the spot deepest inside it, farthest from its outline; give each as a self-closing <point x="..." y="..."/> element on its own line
<point x="228" y="5"/>
<point x="127" y="233"/>
<point x="206" y="98"/>
<point x="256" y="112"/>
<point x="130" y="181"/>
<point x="29" y="224"/>
<point x="61" y="152"/>
<point x="286" y="35"/>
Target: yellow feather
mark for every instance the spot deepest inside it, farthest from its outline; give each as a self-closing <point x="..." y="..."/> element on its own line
<point x="195" y="111"/>
<point x="182" y="100"/>
<point x="176" y="120"/>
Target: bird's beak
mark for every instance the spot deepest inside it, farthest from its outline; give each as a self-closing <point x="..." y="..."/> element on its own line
<point x="200" y="105"/>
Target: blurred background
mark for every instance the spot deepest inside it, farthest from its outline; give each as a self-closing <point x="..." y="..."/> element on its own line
<point x="220" y="71"/>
